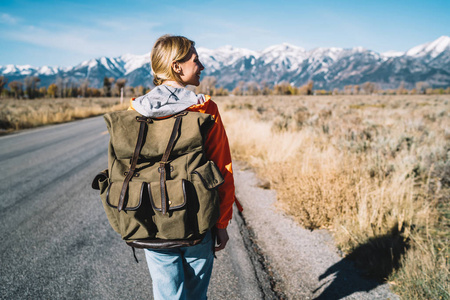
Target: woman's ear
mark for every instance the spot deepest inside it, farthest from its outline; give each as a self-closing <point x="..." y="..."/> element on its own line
<point x="176" y="67"/>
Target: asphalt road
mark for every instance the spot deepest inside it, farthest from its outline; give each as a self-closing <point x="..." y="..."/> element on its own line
<point x="56" y="242"/>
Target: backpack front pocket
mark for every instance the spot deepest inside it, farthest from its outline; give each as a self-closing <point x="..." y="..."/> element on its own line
<point x="180" y="220"/>
<point x="135" y="221"/>
<point x="175" y="191"/>
<point x="133" y="196"/>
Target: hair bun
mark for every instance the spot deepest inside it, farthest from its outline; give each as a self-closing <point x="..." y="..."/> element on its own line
<point x="156" y="80"/>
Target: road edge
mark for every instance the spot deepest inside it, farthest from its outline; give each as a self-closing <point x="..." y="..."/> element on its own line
<point x="269" y="281"/>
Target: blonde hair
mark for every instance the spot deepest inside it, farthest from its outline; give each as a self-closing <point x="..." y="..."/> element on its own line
<point x="166" y="50"/>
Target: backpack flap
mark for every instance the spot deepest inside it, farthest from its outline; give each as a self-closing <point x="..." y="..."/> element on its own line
<point x="176" y="194"/>
<point x="133" y="197"/>
<point x="210" y="175"/>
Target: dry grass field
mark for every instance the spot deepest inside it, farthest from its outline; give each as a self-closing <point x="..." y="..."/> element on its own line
<point x="21" y="114"/>
<point x="375" y="170"/>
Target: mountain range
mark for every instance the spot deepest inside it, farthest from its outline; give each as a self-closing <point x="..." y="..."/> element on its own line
<point x="329" y="68"/>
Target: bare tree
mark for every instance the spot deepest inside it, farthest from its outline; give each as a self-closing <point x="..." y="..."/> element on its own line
<point x="31" y="85"/>
<point x="310" y="86"/>
<point x="120" y="83"/>
<point x="84" y="88"/>
<point x="368" y="87"/>
<point x="306" y="89"/>
<point x="422" y="86"/>
<point x="265" y="88"/>
<point x="139" y="90"/>
<point x="401" y="89"/>
<point x="253" y="88"/>
<point x="282" y="88"/>
<point x="128" y="90"/>
<point x="3" y="82"/>
<point x="221" y="91"/>
<point x="239" y="89"/>
<point x="107" y="83"/>
<point x="348" y="89"/>
<point x="72" y="89"/>
<point x="61" y="85"/>
<point x="207" y="86"/>
<point x="16" y="87"/>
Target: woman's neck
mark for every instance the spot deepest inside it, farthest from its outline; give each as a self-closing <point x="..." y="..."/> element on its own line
<point x="173" y="83"/>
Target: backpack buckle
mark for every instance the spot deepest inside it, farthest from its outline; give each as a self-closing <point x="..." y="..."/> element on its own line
<point x="135" y="174"/>
<point x="144" y="119"/>
<point x="170" y="169"/>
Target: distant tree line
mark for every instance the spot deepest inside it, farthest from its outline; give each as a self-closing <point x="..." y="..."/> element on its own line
<point x="252" y="88"/>
<point x="369" y="88"/>
<point x="64" y="88"/>
<point x="209" y="86"/>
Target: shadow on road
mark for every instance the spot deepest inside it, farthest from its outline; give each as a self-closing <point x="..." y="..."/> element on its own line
<point x="365" y="268"/>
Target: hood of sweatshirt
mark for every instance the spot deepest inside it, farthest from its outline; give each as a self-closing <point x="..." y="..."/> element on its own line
<point x="165" y="100"/>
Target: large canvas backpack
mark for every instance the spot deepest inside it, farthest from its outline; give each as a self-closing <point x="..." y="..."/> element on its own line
<point x="160" y="190"/>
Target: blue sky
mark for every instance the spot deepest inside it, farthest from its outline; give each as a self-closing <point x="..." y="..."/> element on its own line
<point x="66" y="32"/>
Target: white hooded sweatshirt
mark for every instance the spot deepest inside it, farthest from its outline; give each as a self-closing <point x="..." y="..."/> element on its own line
<point x="165" y="100"/>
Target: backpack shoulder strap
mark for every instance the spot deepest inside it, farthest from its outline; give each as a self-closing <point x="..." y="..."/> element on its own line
<point x="164" y="161"/>
<point x="134" y="159"/>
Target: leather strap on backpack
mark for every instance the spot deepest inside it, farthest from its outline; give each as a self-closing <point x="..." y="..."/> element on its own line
<point x="164" y="162"/>
<point x="137" y="150"/>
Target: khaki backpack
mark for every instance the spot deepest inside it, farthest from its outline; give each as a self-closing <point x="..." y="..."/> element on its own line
<point x="160" y="190"/>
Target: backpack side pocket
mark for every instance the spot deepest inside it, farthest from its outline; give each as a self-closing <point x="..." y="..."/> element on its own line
<point x="206" y="179"/>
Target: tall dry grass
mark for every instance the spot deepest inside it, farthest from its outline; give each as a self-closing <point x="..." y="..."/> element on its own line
<point x="375" y="170"/>
<point x="21" y="114"/>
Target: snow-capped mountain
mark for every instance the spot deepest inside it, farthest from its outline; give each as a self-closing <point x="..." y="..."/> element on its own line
<point x="392" y="53"/>
<point x="329" y="68"/>
<point x="432" y="49"/>
<point x="223" y="56"/>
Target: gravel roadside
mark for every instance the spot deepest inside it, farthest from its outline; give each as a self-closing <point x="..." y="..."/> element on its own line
<point x="302" y="264"/>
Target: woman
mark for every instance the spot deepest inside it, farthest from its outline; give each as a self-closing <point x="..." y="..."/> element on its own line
<point x="184" y="273"/>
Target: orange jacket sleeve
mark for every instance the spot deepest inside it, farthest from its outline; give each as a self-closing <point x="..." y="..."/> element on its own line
<point x="218" y="150"/>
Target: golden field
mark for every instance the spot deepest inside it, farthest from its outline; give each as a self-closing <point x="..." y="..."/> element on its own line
<point x="21" y="114"/>
<point x="374" y="170"/>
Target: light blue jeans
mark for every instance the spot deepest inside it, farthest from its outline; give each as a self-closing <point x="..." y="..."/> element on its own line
<point x="181" y="273"/>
